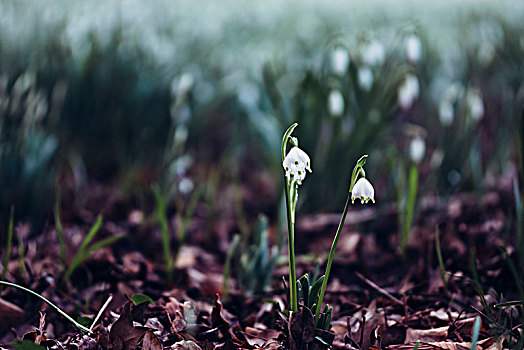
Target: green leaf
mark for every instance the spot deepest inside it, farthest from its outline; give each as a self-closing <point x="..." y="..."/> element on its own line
<point x="84" y="320"/>
<point x="20" y="344"/>
<point x="509" y="303"/>
<point x="140" y="298"/>
<point x="315" y="289"/>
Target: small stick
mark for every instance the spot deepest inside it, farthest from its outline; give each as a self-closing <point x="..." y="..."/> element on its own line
<point x="101" y="311"/>
<point x="379" y="289"/>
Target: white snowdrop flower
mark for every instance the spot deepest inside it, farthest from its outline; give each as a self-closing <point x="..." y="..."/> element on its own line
<point x="363" y="190"/>
<point x="436" y="159"/>
<point x="417" y="148"/>
<point x="373" y="53"/>
<point x="408" y="91"/>
<point x="475" y="104"/>
<point x="336" y="103"/>
<point x="186" y="185"/>
<point x="446" y="109"/>
<point x="365" y="78"/>
<point x="413" y="48"/>
<point x="446" y="113"/>
<point x="181" y="86"/>
<point x="295" y="164"/>
<point x="340" y="61"/>
<point x="486" y="53"/>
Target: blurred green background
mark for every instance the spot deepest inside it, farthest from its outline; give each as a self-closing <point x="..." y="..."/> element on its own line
<point x="134" y="94"/>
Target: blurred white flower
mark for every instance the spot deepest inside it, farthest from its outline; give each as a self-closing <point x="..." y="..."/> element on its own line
<point x="340" y="61"/>
<point x="184" y="84"/>
<point x="365" y="78"/>
<point x="454" y="92"/>
<point x="446" y="113"/>
<point x="408" y="91"/>
<point x="413" y="48"/>
<point x="336" y="103"/>
<point x="417" y="148"/>
<point x="295" y="164"/>
<point x="475" y="104"/>
<point x="373" y="53"/>
<point x="486" y="53"/>
<point x="436" y="159"/>
<point x="363" y="190"/>
<point x="186" y="185"/>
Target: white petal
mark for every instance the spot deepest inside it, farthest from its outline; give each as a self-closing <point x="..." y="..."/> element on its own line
<point x="417" y="148"/>
<point x="363" y="190"/>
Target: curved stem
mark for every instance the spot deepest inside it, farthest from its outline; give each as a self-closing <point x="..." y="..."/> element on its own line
<point x="330" y="258"/>
<point x="69" y="318"/>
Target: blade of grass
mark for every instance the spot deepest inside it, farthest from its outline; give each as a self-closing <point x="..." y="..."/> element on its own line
<point x="440" y="260"/>
<point x="476" y="331"/>
<point x="59" y="229"/>
<point x="520" y="221"/>
<point x="83" y="252"/>
<point x="227" y="265"/>
<point x="9" y="242"/>
<point x="69" y="318"/>
<point x="161" y="217"/>
<point x="21" y="255"/>
<point x="91" y="234"/>
<point x="477" y="286"/>
<point x="410" y="207"/>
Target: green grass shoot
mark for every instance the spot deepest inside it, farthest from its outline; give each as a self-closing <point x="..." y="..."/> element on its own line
<point x="475" y="335"/>
<point x="440" y="260"/>
<point x="69" y="318"/>
<point x="410" y="207"/>
<point x="58" y="227"/>
<point x="161" y="218"/>
<point x="227" y="265"/>
<point x="86" y="250"/>
<point x="9" y="242"/>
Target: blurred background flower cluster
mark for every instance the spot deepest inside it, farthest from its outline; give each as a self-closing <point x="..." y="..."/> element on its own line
<point x="183" y="94"/>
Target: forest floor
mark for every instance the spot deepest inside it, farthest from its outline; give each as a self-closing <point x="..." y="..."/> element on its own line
<point x="381" y="300"/>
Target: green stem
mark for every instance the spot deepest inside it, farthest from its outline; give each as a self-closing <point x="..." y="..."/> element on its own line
<point x="330" y="258"/>
<point x="290" y="226"/>
<point x="291" y="250"/>
<point x="410" y="207"/>
<point x="69" y="318"/>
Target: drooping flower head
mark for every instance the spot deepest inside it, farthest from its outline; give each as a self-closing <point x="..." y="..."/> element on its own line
<point x="295" y="164"/>
<point x="363" y="190"/>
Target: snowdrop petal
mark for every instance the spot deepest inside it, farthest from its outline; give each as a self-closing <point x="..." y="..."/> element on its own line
<point x="363" y="190"/>
<point x="296" y="163"/>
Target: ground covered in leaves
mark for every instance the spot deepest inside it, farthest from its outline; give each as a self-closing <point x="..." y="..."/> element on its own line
<point x="381" y="300"/>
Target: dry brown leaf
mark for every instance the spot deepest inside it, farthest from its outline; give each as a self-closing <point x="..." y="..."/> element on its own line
<point x="150" y="341"/>
<point x="426" y="335"/>
<point x="10" y="314"/>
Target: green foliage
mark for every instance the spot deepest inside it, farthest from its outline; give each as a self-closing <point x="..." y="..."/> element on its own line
<point x="140" y="298"/>
<point x="60" y="311"/>
<point x="27" y="147"/>
<point x="254" y="259"/>
<point x="441" y="266"/>
<point x="406" y="205"/>
<point x="86" y="248"/>
<point x="9" y="243"/>
<point x="20" y="344"/>
<point x="308" y="291"/>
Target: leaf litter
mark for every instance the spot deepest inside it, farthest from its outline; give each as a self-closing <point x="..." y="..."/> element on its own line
<point x="380" y="300"/>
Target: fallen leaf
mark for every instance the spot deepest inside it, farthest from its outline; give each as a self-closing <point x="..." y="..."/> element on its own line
<point x="185" y="345"/>
<point x="10" y="314"/>
<point x="123" y="335"/>
<point x="426" y="335"/>
<point x="150" y="342"/>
